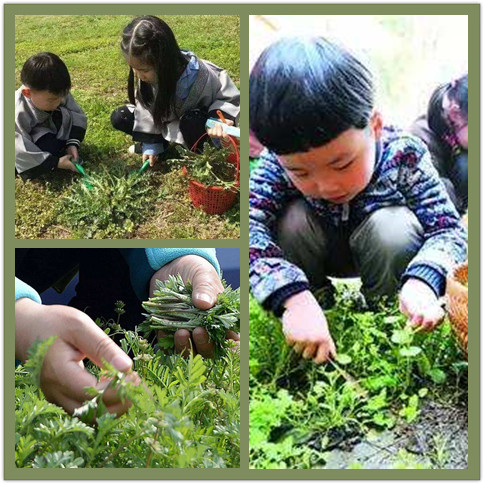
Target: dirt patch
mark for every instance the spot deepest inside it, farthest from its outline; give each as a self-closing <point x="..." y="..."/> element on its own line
<point x="438" y="439"/>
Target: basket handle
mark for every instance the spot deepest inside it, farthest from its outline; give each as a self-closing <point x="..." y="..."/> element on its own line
<point x="236" y="151"/>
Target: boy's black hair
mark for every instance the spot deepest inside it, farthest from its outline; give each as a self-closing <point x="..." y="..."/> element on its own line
<point x="151" y="40"/>
<point x="457" y="91"/>
<point x="305" y="92"/>
<point x="46" y="72"/>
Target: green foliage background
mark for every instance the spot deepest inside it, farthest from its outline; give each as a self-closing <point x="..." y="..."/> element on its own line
<point x="185" y="415"/>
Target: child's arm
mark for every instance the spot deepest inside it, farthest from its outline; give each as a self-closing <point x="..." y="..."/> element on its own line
<point x="30" y="161"/>
<point x="273" y="279"/>
<point x="143" y="263"/>
<point x="79" y="123"/>
<point x="226" y="96"/>
<point x="63" y="376"/>
<point x="445" y="238"/>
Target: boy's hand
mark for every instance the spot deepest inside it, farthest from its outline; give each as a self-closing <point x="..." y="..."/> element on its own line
<point x="63" y="376"/>
<point x="306" y="329"/>
<point x="206" y="286"/>
<point x="420" y="304"/>
<point x="218" y="130"/>
<point x="65" y="163"/>
<point x="153" y="159"/>
<point x="74" y="152"/>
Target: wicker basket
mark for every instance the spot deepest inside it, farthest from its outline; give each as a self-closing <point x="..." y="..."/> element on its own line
<point x="457" y="297"/>
<point x="212" y="199"/>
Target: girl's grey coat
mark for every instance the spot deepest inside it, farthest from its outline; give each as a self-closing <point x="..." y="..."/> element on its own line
<point x="213" y="89"/>
<point x="32" y="123"/>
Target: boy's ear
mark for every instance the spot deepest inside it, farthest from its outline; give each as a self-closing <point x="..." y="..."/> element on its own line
<point x="376" y="124"/>
<point x="26" y="92"/>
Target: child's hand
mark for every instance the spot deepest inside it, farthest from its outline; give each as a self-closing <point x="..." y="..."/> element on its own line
<point x="153" y="159"/>
<point x="306" y="329"/>
<point x="218" y="130"/>
<point x="206" y="286"/>
<point x="63" y="376"/>
<point x="65" y="163"/>
<point x="74" y="152"/>
<point x="420" y="304"/>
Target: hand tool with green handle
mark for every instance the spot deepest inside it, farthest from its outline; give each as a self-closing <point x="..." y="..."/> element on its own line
<point x="85" y="177"/>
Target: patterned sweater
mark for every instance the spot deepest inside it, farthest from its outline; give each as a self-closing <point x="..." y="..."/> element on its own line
<point x="404" y="176"/>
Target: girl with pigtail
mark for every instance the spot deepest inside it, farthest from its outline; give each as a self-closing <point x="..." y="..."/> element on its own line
<point x="444" y="130"/>
<point x="171" y="91"/>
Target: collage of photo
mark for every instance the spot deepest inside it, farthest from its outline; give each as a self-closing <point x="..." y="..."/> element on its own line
<point x="137" y="136"/>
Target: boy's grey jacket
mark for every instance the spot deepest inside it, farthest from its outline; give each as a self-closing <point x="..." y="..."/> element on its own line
<point x="404" y="176"/>
<point x="32" y="123"/>
<point x="213" y="89"/>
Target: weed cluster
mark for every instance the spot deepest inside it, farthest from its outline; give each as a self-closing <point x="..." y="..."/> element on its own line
<point x="186" y="414"/>
<point x="112" y="208"/>
<point x="299" y="410"/>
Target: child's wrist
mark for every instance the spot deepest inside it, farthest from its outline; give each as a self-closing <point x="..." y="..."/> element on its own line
<point x="301" y="298"/>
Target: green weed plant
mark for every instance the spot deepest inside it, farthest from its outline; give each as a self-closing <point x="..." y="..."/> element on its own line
<point x="186" y="414"/>
<point x="299" y="410"/>
<point x="114" y="204"/>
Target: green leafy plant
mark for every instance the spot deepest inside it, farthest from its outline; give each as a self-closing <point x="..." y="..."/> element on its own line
<point x="383" y="374"/>
<point x="112" y="208"/>
<point x="184" y="414"/>
<point x="209" y="167"/>
<point x="171" y="308"/>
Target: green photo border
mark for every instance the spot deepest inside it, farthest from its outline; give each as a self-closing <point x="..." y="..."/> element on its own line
<point x="10" y="243"/>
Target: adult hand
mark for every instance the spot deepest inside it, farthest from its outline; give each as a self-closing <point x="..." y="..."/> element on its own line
<point x="65" y="163"/>
<point x="218" y="130"/>
<point x="73" y="152"/>
<point x="306" y="328"/>
<point x="153" y="159"/>
<point x="63" y="377"/>
<point x="206" y="286"/>
<point x="420" y="304"/>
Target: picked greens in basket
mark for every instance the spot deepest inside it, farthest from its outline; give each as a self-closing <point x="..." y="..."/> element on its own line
<point x="171" y="308"/>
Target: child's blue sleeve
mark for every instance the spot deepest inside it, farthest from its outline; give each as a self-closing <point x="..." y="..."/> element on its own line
<point x="143" y="263"/>
<point x="24" y="290"/>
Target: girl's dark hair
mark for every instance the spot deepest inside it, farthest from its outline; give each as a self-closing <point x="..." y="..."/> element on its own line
<point x="304" y="93"/>
<point x="150" y="40"/>
<point x="456" y="91"/>
<point x="46" y="72"/>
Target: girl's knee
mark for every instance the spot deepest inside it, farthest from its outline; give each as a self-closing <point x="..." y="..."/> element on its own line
<point x="192" y="126"/>
<point x="122" y="119"/>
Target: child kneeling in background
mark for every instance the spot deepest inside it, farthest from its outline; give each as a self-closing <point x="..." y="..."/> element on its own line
<point x="444" y="130"/>
<point x="172" y="92"/>
<point x="338" y="194"/>
<point x="49" y="124"/>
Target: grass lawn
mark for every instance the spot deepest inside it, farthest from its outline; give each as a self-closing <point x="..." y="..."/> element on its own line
<point x="89" y="45"/>
<point x="392" y="399"/>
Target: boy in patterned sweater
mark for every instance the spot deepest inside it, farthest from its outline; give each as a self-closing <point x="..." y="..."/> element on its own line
<point x="337" y="194"/>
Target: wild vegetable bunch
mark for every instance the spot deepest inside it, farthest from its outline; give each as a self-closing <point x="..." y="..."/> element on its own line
<point x="209" y="167"/>
<point x="112" y="208"/>
<point x="171" y="308"/>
